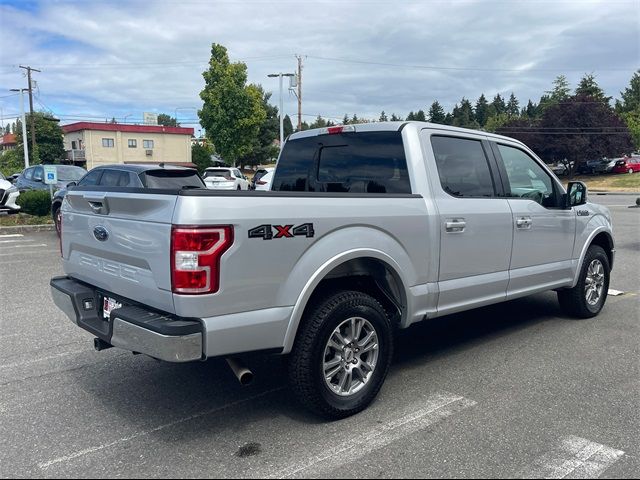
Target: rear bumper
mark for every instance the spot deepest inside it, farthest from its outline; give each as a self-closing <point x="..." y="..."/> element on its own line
<point x="137" y="329"/>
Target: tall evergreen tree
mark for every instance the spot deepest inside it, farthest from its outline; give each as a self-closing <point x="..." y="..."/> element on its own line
<point x="482" y="110"/>
<point x="513" y="106"/>
<point x="411" y="116"/>
<point x="345" y="120"/>
<point x="436" y="113"/>
<point x="355" y="119"/>
<point x="383" y="117"/>
<point x="420" y="116"/>
<point x="561" y="90"/>
<point x="395" y="118"/>
<point x="588" y="87"/>
<point x="287" y="126"/>
<point x="631" y="96"/>
<point x="530" y="111"/>
<point x="498" y="104"/>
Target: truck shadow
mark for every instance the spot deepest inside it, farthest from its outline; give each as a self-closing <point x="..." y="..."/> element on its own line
<point x="147" y="393"/>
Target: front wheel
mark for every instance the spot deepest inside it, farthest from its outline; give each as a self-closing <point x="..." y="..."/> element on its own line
<point x="587" y="298"/>
<point x="57" y="220"/>
<point x="341" y="355"/>
<point x="630" y="170"/>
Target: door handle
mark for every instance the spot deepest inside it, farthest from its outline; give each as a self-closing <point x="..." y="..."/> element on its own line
<point x="524" y="223"/>
<point x="456" y="225"/>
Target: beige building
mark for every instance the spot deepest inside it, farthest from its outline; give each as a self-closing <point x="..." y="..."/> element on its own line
<point x="91" y="144"/>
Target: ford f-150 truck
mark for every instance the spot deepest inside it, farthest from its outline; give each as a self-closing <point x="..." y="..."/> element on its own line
<point x="368" y="229"/>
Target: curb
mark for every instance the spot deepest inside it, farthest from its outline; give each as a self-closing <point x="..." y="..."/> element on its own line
<point x="27" y="228"/>
<point x="600" y="192"/>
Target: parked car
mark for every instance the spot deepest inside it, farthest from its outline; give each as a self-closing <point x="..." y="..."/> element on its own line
<point x="592" y="167"/>
<point x="229" y="178"/>
<point x="264" y="184"/>
<point x="371" y="229"/>
<point x="627" y="165"/>
<point x="258" y="178"/>
<point x="32" y="178"/>
<point x="8" y="195"/>
<point x="135" y="176"/>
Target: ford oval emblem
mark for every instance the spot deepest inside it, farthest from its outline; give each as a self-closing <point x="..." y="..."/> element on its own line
<point x="101" y="234"/>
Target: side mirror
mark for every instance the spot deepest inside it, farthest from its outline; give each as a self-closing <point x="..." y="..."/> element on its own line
<point x="72" y="184"/>
<point x="576" y="195"/>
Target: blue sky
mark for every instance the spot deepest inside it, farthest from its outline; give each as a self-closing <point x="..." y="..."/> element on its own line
<point x="103" y="59"/>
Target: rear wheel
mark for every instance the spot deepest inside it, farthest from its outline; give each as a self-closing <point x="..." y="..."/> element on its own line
<point x="587" y="298"/>
<point x="630" y="170"/>
<point x="342" y="354"/>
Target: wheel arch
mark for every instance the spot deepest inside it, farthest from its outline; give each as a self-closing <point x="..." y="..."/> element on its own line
<point x="367" y="270"/>
<point x="602" y="237"/>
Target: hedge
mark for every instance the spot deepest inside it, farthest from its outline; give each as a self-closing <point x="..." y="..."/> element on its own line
<point x="35" y="202"/>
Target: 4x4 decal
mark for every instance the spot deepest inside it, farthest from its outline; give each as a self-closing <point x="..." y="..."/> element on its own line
<point x="269" y="232"/>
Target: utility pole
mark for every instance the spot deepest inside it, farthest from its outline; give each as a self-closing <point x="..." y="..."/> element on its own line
<point x="25" y="145"/>
<point x="299" y="57"/>
<point x="31" y="117"/>
<point x="272" y="75"/>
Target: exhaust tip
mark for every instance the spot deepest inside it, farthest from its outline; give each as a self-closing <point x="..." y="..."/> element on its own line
<point x="99" y="345"/>
<point x="242" y="373"/>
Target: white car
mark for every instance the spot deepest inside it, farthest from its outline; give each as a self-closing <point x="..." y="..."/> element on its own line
<point x="8" y="195"/>
<point x="265" y="181"/>
<point x="225" y="178"/>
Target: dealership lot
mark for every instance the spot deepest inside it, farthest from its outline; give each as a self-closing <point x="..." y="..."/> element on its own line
<point x="509" y="390"/>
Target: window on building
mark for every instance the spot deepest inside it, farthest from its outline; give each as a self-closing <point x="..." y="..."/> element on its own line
<point x="74" y="145"/>
<point x="133" y="143"/>
<point x="147" y="144"/>
<point x="463" y="167"/>
<point x="108" y="142"/>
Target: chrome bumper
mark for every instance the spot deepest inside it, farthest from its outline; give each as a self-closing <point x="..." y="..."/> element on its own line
<point x="135" y="329"/>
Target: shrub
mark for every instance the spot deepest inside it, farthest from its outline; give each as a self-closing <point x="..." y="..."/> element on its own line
<point x="35" y="202"/>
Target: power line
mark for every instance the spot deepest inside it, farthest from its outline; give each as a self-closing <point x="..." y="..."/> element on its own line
<point x="472" y="69"/>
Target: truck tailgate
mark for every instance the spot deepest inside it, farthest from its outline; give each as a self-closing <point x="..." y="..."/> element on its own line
<point x="120" y="242"/>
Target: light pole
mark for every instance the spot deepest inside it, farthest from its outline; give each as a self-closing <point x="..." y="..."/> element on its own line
<point x="24" y="125"/>
<point x="272" y="75"/>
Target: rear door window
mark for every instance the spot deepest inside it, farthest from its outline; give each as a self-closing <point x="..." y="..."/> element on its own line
<point x="90" y="178"/>
<point x="463" y="167"/>
<point x="172" y="179"/>
<point x="368" y="162"/>
<point x="115" y="178"/>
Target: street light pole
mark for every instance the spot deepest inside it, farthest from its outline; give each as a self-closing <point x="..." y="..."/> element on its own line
<point x="281" y="104"/>
<point x="24" y="126"/>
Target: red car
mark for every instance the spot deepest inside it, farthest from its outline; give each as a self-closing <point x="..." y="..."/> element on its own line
<point x="627" y="165"/>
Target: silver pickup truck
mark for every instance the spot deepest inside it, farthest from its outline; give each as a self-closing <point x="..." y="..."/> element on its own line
<point x="368" y="229"/>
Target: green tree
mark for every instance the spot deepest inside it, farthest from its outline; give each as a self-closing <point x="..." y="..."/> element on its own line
<point x="201" y="156"/>
<point x="530" y="111"/>
<point x="588" y="87"/>
<point x="498" y="104"/>
<point x="12" y="161"/>
<point x="7" y="128"/>
<point x="561" y="90"/>
<point x="482" y="110"/>
<point x="345" y="120"/>
<point x="167" y="120"/>
<point x="49" y="144"/>
<point x="319" y="122"/>
<point x="395" y="118"/>
<point x="383" y="117"/>
<point x="436" y="113"/>
<point x="233" y="111"/>
<point x="287" y="126"/>
<point x="513" y="106"/>
<point x="264" y="146"/>
<point x="631" y="96"/>
<point x="355" y="119"/>
<point x="411" y="116"/>
<point x="463" y="115"/>
<point x="420" y="116"/>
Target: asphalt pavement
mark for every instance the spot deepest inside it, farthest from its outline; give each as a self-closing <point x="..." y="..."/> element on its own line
<point x="511" y="390"/>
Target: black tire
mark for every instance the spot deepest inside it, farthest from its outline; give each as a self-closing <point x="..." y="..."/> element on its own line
<point x="57" y="219"/>
<point x="573" y="301"/>
<point x="305" y="363"/>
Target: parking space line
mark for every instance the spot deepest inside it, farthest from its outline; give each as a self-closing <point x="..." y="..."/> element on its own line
<point x="437" y="408"/>
<point x="86" y="451"/>
<point x="11" y="235"/>
<point x="16" y="241"/>
<point x="6" y="247"/>
<point x="574" y="457"/>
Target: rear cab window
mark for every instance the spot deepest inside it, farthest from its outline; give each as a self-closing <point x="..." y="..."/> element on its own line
<point x="463" y="167"/>
<point x="171" y="179"/>
<point x="350" y="162"/>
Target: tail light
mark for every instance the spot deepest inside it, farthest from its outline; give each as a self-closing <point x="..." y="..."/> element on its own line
<point x="195" y="258"/>
<point x="337" y="129"/>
